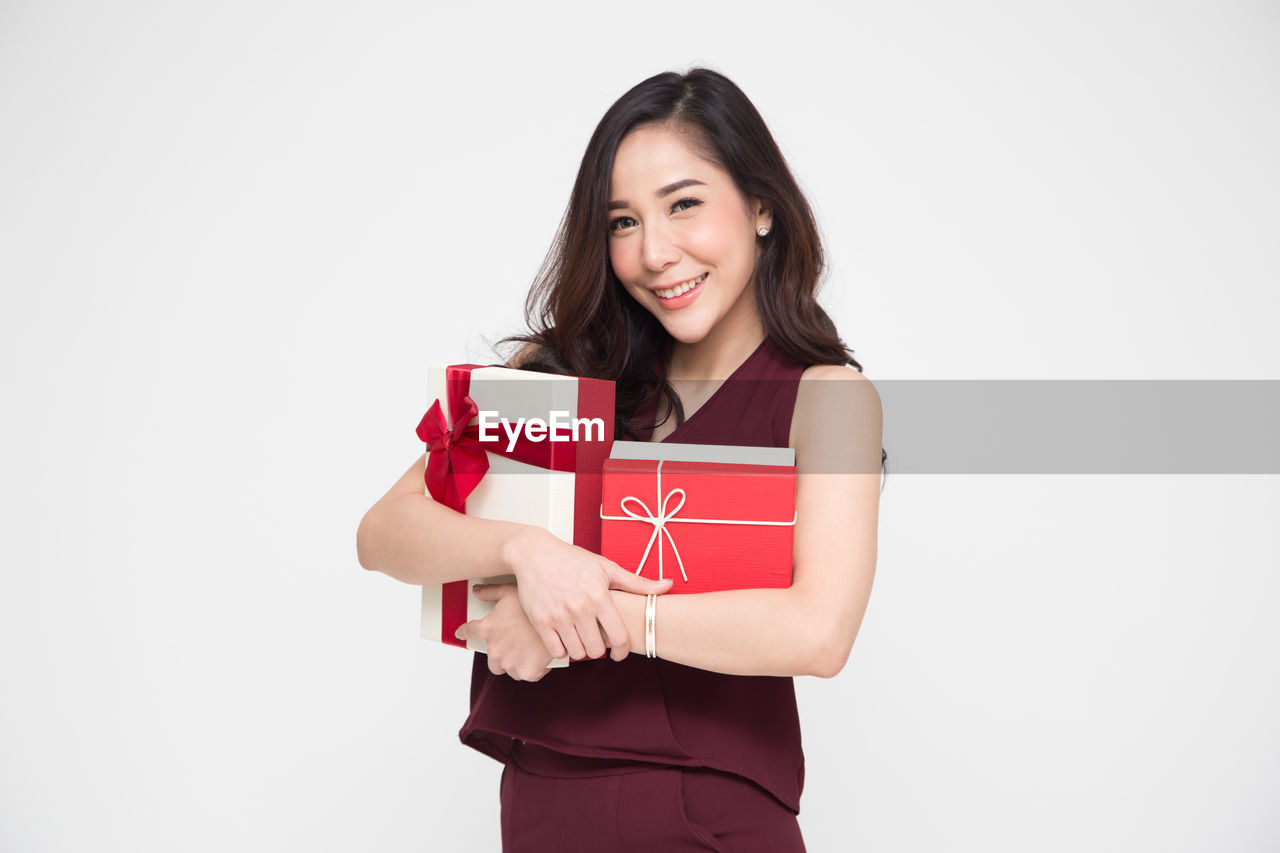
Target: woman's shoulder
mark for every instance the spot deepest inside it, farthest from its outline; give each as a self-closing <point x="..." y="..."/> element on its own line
<point x="831" y="400"/>
<point x="837" y="372"/>
<point x="832" y="390"/>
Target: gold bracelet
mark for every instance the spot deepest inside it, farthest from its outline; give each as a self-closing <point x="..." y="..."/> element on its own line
<point x="650" y="612"/>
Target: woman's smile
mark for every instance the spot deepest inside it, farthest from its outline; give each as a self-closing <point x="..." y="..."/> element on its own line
<point x="682" y="294"/>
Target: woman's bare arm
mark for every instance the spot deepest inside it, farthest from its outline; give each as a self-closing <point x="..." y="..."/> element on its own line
<point x="410" y="537"/>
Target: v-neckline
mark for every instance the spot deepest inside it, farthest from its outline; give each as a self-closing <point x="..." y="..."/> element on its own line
<point x="716" y="393"/>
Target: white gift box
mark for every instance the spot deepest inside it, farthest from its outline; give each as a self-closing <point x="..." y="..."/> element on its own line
<point x="534" y="416"/>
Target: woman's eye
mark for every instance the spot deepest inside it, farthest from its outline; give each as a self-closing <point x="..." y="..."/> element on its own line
<point x="682" y="204"/>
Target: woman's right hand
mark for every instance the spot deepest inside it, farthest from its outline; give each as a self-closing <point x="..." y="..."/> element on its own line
<point x="564" y="590"/>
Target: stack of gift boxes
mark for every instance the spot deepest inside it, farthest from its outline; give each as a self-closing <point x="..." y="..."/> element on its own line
<point x="538" y="448"/>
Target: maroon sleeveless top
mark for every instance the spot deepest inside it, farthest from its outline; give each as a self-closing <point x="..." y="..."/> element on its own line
<point x="651" y="710"/>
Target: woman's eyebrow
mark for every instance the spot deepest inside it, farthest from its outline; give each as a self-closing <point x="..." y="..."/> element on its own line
<point x="667" y="190"/>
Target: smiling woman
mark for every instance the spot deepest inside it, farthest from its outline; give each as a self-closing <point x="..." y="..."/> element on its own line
<point x="688" y="261"/>
<point x="685" y="272"/>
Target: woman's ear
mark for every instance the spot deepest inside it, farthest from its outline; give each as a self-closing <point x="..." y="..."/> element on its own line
<point x="764" y="215"/>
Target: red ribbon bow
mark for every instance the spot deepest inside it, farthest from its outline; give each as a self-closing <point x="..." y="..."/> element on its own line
<point x="456" y="461"/>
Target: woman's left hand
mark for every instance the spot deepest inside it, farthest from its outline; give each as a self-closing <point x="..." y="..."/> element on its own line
<point x="514" y="645"/>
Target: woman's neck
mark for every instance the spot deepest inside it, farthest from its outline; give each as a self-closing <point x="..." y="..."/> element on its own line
<point x="719" y="354"/>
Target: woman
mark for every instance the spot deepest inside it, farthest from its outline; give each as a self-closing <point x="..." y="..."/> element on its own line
<point x="685" y="270"/>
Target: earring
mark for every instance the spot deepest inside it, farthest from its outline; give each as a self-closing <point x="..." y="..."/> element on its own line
<point x="763" y="230"/>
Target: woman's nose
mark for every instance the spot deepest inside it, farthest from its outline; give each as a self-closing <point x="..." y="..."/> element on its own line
<point x="658" y="250"/>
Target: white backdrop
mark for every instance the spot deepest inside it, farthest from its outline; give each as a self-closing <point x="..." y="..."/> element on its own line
<point x="232" y="236"/>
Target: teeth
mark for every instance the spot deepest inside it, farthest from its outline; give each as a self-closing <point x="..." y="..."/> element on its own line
<point x="681" y="288"/>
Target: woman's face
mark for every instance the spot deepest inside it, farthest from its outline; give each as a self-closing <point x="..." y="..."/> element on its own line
<point x="676" y="219"/>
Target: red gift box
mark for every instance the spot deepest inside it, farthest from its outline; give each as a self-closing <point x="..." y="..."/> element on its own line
<point x="710" y="525"/>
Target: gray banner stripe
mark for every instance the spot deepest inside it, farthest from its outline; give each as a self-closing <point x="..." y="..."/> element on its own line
<point x="1020" y="426"/>
<point x="1081" y="426"/>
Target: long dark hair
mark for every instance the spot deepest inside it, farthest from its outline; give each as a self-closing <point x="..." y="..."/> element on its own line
<point x="584" y="322"/>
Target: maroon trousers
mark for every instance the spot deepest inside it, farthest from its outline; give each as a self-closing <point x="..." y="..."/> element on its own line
<point x="552" y="803"/>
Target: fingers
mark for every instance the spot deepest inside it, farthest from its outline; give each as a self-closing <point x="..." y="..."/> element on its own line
<point x="469" y="630"/>
<point x="615" y="630"/>
<point x="592" y="640"/>
<point x="620" y="578"/>
<point x="527" y="673"/>
<point x="551" y="640"/>
<point x="573" y="643"/>
<point x="521" y="663"/>
<point x="492" y="591"/>
<point x="559" y="632"/>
